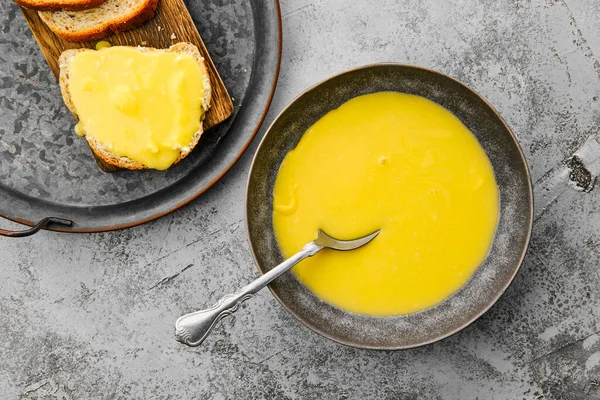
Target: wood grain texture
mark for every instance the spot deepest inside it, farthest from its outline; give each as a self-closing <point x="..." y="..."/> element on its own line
<point x="171" y="24"/>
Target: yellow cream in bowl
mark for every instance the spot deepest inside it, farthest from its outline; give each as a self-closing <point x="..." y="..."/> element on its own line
<point x="402" y="164"/>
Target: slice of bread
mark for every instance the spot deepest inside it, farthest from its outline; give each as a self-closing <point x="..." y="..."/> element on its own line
<point x="103" y="153"/>
<point x="54" y="5"/>
<point x="97" y="23"/>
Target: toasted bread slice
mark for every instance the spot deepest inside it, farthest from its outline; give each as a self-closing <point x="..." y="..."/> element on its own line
<point x="96" y="23"/>
<point x="103" y="153"/>
<point x="54" y="5"/>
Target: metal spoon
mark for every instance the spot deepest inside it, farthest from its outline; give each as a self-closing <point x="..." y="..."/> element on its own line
<point x="192" y="329"/>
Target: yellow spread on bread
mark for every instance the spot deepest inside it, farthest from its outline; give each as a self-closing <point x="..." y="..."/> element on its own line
<point x="143" y="105"/>
<point x="402" y="164"/>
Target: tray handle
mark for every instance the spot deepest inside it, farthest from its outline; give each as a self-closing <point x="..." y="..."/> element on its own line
<point x="40" y="225"/>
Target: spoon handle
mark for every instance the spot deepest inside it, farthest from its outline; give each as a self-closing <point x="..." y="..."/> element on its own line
<point x="192" y="329"/>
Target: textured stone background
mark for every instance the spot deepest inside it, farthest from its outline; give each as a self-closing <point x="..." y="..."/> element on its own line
<point x="91" y="316"/>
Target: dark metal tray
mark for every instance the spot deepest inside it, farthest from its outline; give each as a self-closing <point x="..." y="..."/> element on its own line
<point x="47" y="171"/>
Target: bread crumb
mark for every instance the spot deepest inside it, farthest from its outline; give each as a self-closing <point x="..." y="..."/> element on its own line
<point x="173" y="37"/>
<point x="160" y="28"/>
<point x="245" y="69"/>
<point x="144" y="43"/>
<point x="21" y="76"/>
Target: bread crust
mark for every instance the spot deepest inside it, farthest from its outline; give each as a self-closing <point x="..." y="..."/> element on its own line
<point x="55" y="5"/>
<point x="101" y="151"/>
<point x="122" y="24"/>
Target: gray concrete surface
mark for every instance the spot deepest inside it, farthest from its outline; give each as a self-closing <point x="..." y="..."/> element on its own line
<point x="91" y="316"/>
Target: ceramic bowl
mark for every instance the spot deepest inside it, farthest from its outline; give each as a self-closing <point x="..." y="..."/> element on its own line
<point x="491" y="278"/>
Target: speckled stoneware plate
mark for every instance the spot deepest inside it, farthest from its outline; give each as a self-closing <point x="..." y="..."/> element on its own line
<point x="489" y="281"/>
<point x="45" y="170"/>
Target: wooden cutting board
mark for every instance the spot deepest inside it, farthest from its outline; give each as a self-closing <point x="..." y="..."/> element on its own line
<point x="171" y="24"/>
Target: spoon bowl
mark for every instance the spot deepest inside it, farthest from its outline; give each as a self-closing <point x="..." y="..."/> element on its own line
<point x="326" y="241"/>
